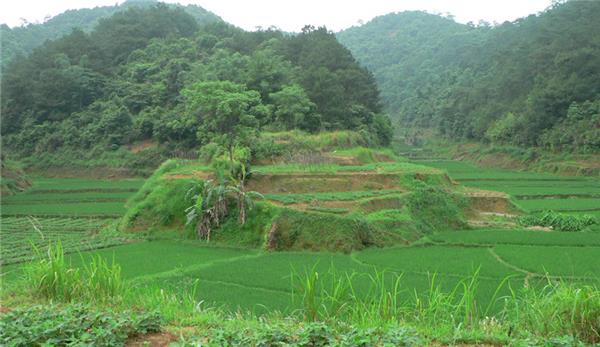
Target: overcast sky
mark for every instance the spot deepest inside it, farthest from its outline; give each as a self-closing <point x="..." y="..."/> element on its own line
<point x="293" y="15"/>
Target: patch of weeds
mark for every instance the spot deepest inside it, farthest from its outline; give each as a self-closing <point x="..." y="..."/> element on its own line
<point x="73" y="325"/>
<point x="558" y="221"/>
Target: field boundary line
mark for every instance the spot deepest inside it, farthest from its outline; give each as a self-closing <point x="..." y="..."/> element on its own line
<point x="539" y="275"/>
<point x="491" y="245"/>
<point x="264" y="289"/>
<point x="191" y="268"/>
<point x="422" y="273"/>
<point x="509" y="265"/>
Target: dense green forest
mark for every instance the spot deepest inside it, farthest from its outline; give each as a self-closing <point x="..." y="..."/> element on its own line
<point x="532" y="82"/>
<point x="156" y="73"/>
<point x="22" y="40"/>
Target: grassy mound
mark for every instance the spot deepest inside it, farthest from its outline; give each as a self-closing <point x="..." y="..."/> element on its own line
<point x="381" y="200"/>
<point x="13" y="178"/>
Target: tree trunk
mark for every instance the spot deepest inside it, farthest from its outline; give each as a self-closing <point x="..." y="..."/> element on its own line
<point x="231" y="159"/>
<point x="242" y="207"/>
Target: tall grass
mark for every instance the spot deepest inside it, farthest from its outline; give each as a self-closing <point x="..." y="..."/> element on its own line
<point x="53" y="278"/>
<point x="557" y="309"/>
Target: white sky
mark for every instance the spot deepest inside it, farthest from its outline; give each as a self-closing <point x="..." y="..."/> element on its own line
<point x="293" y="15"/>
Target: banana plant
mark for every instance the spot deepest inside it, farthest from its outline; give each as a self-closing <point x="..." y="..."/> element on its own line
<point x="245" y="199"/>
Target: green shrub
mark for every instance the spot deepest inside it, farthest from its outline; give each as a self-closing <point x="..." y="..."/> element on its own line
<point x="433" y="208"/>
<point x="558" y="221"/>
<point x="160" y="201"/>
<point x="73" y="325"/>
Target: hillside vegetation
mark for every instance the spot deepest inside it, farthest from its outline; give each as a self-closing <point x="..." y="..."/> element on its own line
<point x="531" y="82"/>
<point x="152" y="81"/>
<point x="335" y="196"/>
<point x="18" y="42"/>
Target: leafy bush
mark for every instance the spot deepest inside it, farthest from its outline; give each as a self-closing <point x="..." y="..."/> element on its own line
<point x="315" y="334"/>
<point x="73" y="325"/>
<point x="558" y="221"/>
<point x="433" y="208"/>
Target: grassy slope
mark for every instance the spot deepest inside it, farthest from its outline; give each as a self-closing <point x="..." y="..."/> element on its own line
<point x="161" y="202"/>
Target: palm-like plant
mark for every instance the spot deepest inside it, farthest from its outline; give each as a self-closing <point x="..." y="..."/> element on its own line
<point x="210" y="203"/>
<point x="245" y="199"/>
<point x="208" y="209"/>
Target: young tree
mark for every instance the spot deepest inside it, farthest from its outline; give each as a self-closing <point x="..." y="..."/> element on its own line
<point x="293" y="108"/>
<point x="227" y="113"/>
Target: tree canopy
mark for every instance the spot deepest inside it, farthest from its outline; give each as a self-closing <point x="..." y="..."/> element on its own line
<point x="511" y="83"/>
<point x="155" y="73"/>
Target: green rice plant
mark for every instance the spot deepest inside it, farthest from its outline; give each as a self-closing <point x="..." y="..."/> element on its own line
<point x="97" y="209"/>
<point x="555" y="261"/>
<point x="516" y="237"/>
<point x="560" y="205"/>
<point x="75" y="234"/>
<point x="80" y="184"/>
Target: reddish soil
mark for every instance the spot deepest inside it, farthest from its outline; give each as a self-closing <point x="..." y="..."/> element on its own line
<point x="490" y="201"/>
<point x="320" y="182"/>
<point x="153" y="340"/>
<point x="138" y="147"/>
<point x="203" y="175"/>
<point x="303" y="206"/>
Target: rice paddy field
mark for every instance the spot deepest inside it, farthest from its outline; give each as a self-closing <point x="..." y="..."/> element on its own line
<point x="259" y="281"/>
<point x="73" y="211"/>
<point x="533" y="191"/>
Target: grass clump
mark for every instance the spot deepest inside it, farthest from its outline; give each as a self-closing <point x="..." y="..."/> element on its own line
<point x="54" y="278"/>
<point x="73" y="325"/>
<point x="557" y="310"/>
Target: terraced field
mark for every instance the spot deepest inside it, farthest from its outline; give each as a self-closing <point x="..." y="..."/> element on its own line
<point x="64" y="197"/>
<point x="22" y="237"/>
<point x="70" y="210"/>
<point x="533" y="191"/>
<point x="257" y="280"/>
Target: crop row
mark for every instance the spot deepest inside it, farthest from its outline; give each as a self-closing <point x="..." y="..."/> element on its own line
<point x="582" y="204"/>
<point x="327" y="196"/>
<point x="52" y="184"/>
<point x="22" y="236"/>
<point x="37" y="198"/>
<point x="517" y="237"/>
<point x="62" y="209"/>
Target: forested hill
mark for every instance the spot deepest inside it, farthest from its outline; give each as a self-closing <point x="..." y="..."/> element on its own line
<point x="22" y="40"/>
<point x="535" y="81"/>
<point x="155" y="74"/>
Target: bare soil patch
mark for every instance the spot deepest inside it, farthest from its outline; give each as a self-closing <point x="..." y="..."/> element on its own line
<point x="312" y="183"/>
<point x="152" y="340"/>
<point x="490" y="201"/>
<point x="140" y="146"/>
<point x="203" y="175"/>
